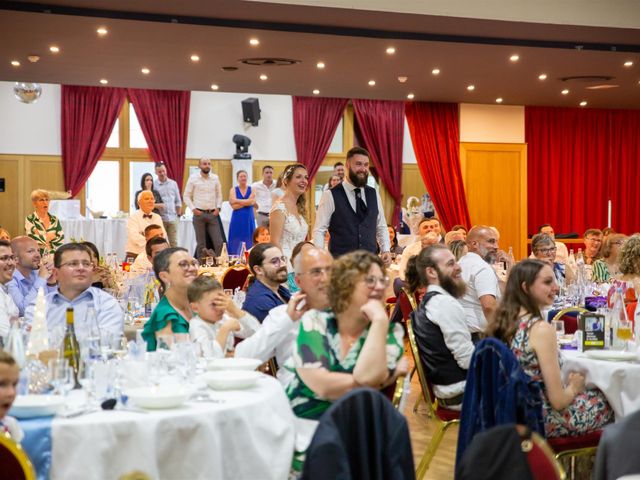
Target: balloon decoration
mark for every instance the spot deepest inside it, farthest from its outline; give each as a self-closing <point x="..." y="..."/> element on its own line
<point x="27" y="92"/>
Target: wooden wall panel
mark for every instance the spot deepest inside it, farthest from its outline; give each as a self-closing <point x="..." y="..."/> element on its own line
<point x="12" y="199"/>
<point x="45" y="173"/>
<point x="495" y="177"/>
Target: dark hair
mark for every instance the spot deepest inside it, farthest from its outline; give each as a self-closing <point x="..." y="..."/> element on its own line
<point x="459" y="227"/>
<point x="592" y="231"/>
<point x="153" y="241"/>
<point x="5" y="243"/>
<point x="287" y="175"/>
<point x="161" y="264"/>
<point x="92" y="247"/>
<point x="347" y="270"/>
<point x="160" y="164"/>
<point x="241" y="171"/>
<point x="298" y="248"/>
<point x="395" y="237"/>
<point x="144" y="176"/>
<point x="68" y="247"/>
<point x="265" y="167"/>
<point x="256" y="255"/>
<point x="338" y="164"/>
<point x="415" y="275"/>
<point x="357" y="151"/>
<point x="257" y="233"/>
<point x="516" y="297"/>
<point x="5" y="357"/>
<point x="542" y="226"/>
<point x="153" y="226"/>
<point x="200" y="286"/>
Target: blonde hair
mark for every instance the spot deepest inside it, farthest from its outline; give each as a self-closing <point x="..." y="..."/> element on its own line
<point x="629" y="257"/>
<point x="6" y="358"/>
<point x="40" y="194"/>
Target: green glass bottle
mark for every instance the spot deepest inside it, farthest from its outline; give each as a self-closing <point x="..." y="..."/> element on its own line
<point x="71" y="347"/>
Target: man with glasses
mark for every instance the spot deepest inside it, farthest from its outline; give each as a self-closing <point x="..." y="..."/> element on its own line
<point x="269" y="268"/>
<point x="31" y="274"/>
<point x="592" y="244"/>
<point x="276" y="337"/>
<point x="8" y="308"/>
<point x="74" y="271"/>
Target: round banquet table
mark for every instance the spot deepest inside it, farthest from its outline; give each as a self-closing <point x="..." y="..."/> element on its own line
<point x="249" y="435"/>
<point x="619" y="381"/>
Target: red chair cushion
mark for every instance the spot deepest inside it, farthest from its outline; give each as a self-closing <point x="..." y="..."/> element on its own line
<point x="561" y="444"/>
<point x="11" y="467"/>
<point x="570" y="322"/>
<point x="235" y="278"/>
<point x="446" y="414"/>
<point x="541" y="466"/>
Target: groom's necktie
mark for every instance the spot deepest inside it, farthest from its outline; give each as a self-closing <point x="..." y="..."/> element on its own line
<point x="361" y="208"/>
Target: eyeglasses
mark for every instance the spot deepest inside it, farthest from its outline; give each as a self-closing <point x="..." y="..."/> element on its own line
<point x="8" y="258"/>
<point x="317" y="272"/>
<point x="187" y="264"/>
<point x="277" y="261"/>
<point x="371" y="281"/>
<point x="547" y="251"/>
<point x="76" y="264"/>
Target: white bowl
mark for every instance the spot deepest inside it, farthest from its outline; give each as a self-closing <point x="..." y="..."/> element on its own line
<point x="158" y="397"/>
<point x="231" y="379"/>
<point x="233" y="363"/>
<point x="29" y="406"/>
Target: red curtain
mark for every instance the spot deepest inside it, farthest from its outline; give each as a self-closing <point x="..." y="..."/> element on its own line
<point x="314" y="124"/>
<point x="568" y="168"/>
<point x="435" y="136"/>
<point x="381" y="124"/>
<point x="88" y="117"/>
<point x="164" y="119"/>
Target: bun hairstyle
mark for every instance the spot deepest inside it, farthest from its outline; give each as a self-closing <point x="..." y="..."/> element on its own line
<point x="161" y="264"/>
<point x="415" y="274"/>
<point x="287" y="175"/>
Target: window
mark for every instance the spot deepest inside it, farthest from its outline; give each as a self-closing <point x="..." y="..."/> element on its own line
<point x="336" y="143"/>
<point x="136" y="137"/>
<point x="114" y="138"/>
<point x="100" y="193"/>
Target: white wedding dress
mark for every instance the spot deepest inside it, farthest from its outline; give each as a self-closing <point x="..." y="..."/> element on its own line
<point x="294" y="231"/>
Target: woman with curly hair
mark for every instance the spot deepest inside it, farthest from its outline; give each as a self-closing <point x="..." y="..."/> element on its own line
<point x="350" y="345"/>
<point x="629" y="264"/>
<point x="607" y="267"/>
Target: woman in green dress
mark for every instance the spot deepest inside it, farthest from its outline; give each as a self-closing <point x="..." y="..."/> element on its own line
<point x="350" y="345"/>
<point x="175" y="269"/>
<point x="43" y="227"/>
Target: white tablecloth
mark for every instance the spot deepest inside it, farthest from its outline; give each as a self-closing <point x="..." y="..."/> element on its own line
<point x="620" y="381"/>
<point x="249" y="436"/>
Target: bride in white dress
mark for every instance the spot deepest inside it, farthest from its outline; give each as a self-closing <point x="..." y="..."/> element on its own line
<point x="287" y="224"/>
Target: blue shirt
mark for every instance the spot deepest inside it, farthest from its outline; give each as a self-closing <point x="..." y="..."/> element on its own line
<point x="170" y="194"/>
<point x="109" y="315"/>
<point x="260" y="299"/>
<point x="23" y="290"/>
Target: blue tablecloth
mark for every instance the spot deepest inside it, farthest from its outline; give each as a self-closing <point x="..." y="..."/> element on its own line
<point x="37" y="443"/>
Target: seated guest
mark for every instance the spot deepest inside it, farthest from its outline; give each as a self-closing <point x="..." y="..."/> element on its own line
<point x="4" y="235"/>
<point x="350" y="345"/>
<point x="425" y="227"/>
<point x="568" y="409"/>
<point x="269" y="268"/>
<point x="562" y="254"/>
<point x="138" y="221"/>
<point x="31" y="273"/>
<point x="607" y="267"/>
<point x="458" y="248"/>
<point x="102" y="275"/>
<point x="434" y="225"/>
<point x="43" y="227"/>
<point x="277" y="335"/>
<point x="142" y="263"/>
<point x="175" y="269"/>
<point x="297" y="250"/>
<point x="460" y="228"/>
<point x="592" y="244"/>
<point x="8" y="309"/>
<point x="452" y="236"/>
<point x="629" y="261"/>
<point x="74" y="271"/>
<point x="217" y="318"/>
<point x="9" y="376"/>
<point x="543" y="248"/>
<point x="261" y="235"/>
<point x="153" y="246"/>
<point x="440" y="328"/>
<point x="393" y="237"/>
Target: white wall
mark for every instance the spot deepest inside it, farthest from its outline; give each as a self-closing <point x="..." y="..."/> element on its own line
<point x="30" y="129"/>
<point x="491" y="123"/>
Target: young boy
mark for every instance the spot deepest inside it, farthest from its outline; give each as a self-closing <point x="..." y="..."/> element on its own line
<point x="9" y="375"/>
<point x="216" y="316"/>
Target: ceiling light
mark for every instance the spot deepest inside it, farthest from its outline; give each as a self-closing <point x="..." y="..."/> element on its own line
<point x="214" y="86"/>
<point x="34" y="58"/>
<point x="372" y="83"/>
<point x="583" y="103"/>
<point x="102" y="31"/>
<point x="514" y="58"/>
<point x="263" y="77"/>
<point x="411" y="96"/>
<point x="435" y="71"/>
<point x="402" y="79"/>
<point x="195" y="58"/>
<point x="628" y="63"/>
<point x="15" y="63"/>
<point x="145" y="70"/>
<point x="316" y="92"/>
<point x="320" y="64"/>
<point x="54" y="49"/>
<point x="542" y="76"/>
<point x="391" y="50"/>
<point x="499" y="100"/>
<point x="565" y="92"/>
<point x="104" y="81"/>
<point x="471" y="88"/>
<point x="254" y="42"/>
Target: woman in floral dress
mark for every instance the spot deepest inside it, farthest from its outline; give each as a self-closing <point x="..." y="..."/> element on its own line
<point x="43" y="227"/>
<point x="569" y="409"/>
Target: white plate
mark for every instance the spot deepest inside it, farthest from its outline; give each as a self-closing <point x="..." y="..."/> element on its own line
<point x="613" y="355"/>
<point x="230" y="379"/>
<point x="158" y="397"/>
<point x="29" y="406"/>
<point x="233" y="364"/>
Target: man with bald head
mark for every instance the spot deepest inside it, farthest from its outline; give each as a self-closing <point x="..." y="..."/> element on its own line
<point x="279" y="329"/>
<point x="31" y="273"/>
<point x="137" y="223"/>
<point x="483" y="289"/>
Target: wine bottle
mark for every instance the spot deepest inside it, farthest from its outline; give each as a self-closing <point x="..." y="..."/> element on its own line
<point x="71" y="348"/>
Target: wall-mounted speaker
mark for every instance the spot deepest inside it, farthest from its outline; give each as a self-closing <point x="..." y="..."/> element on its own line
<point x="251" y="111"/>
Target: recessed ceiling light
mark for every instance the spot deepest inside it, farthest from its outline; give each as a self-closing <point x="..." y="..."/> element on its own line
<point x="499" y="100"/>
<point x="471" y="88"/>
<point x="195" y="58"/>
<point x="102" y="31"/>
<point x="514" y="58"/>
<point x="214" y="86"/>
<point x="254" y="42"/>
<point x="583" y="103"/>
<point x="565" y="92"/>
<point x="628" y="63"/>
<point x="372" y="83"/>
<point x="263" y="77"/>
<point x="145" y="70"/>
<point x="435" y="71"/>
<point x="542" y="76"/>
<point x="104" y="81"/>
<point x="316" y="92"/>
<point x="403" y="78"/>
<point x="411" y="96"/>
<point x="15" y="63"/>
<point x="54" y="49"/>
<point x="391" y="50"/>
<point x="320" y="64"/>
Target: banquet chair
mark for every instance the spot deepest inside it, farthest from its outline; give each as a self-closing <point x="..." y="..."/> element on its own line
<point x="14" y="462"/>
<point x="235" y="277"/>
<point x="569" y="316"/>
<point x="442" y="416"/>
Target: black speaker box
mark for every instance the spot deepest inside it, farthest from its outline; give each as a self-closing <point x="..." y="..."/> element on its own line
<point x="251" y="111"/>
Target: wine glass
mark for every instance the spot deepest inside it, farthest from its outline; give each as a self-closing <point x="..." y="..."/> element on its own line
<point x="61" y="375"/>
<point x="208" y="261"/>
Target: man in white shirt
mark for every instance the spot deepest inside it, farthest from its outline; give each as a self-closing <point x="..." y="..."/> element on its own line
<point x="170" y="212"/>
<point x="203" y="195"/>
<point x="137" y="223"/>
<point x="483" y="290"/>
<point x="263" y="190"/>
<point x="352" y="213"/>
<point x="144" y="261"/>
<point x="338" y="170"/>
<point x="439" y="325"/>
<point x="279" y="329"/>
<point x="8" y="308"/>
<point x="425" y="227"/>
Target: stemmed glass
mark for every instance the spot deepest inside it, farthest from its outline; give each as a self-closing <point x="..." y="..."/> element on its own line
<point x="61" y="375"/>
<point x="208" y="261"/>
